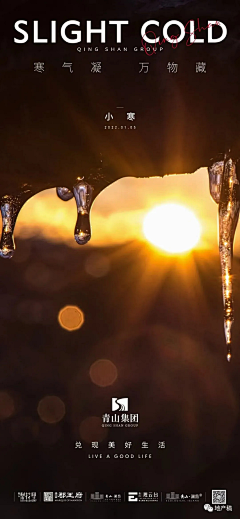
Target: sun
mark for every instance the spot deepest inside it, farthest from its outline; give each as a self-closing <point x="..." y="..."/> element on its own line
<point x="172" y="227"/>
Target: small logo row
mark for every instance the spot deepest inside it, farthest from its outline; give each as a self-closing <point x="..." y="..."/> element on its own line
<point x="97" y="497"/>
<point x="219" y="498"/>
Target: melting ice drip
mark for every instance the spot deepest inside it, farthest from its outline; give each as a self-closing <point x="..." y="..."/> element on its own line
<point x="224" y="189"/>
<point x="83" y="196"/>
<point x="10" y="207"/>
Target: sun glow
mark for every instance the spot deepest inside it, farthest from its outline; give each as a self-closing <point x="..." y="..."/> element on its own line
<point x="171" y="227"/>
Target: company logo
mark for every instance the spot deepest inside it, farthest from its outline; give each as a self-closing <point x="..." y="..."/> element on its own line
<point x="120" y="404"/>
<point x="133" y="496"/>
<point x="48" y="497"/>
<point x="143" y="497"/>
<point x="25" y="497"/>
<point x="97" y="497"/>
<point x="62" y="497"/>
<point x="172" y="497"/>
<point x="120" y="416"/>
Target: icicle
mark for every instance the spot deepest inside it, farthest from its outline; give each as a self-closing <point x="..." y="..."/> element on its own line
<point x="215" y="180"/>
<point x="228" y="218"/>
<point x="83" y="196"/>
<point x="224" y="189"/>
<point x="10" y="207"/>
<point x="64" y="193"/>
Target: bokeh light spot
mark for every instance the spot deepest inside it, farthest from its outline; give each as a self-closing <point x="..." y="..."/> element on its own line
<point x="91" y="429"/>
<point x="103" y="372"/>
<point x="97" y="265"/>
<point x="7" y="407"/>
<point x="71" y="318"/>
<point x="51" y="409"/>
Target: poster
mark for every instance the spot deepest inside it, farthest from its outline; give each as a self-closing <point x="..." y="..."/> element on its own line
<point x="119" y="354"/>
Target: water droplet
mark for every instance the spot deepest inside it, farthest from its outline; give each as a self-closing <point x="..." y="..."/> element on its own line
<point x="64" y="193"/>
<point x="10" y="207"/>
<point x="229" y="205"/>
<point x="229" y="356"/>
<point x="83" y="196"/>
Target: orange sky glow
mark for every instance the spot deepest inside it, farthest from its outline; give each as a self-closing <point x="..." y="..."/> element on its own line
<point x="118" y="212"/>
